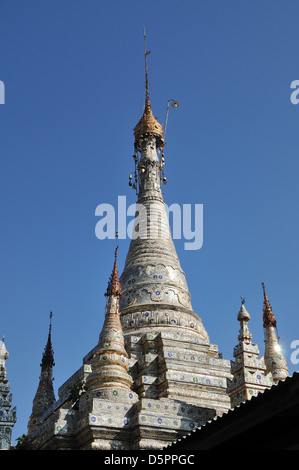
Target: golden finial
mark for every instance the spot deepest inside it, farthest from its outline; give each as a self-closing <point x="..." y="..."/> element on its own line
<point x="148" y="124"/>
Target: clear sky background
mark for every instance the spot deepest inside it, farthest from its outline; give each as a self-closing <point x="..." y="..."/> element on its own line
<point x="74" y="88"/>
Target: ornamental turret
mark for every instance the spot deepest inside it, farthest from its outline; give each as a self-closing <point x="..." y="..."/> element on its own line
<point x="7" y="415"/>
<point x="45" y="395"/>
<point x="274" y="359"/>
<point x="250" y="376"/>
<point x="153" y="375"/>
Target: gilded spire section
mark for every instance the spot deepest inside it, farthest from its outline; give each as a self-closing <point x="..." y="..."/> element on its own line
<point x="268" y="316"/>
<point x="274" y="358"/>
<point x="148" y="124"/>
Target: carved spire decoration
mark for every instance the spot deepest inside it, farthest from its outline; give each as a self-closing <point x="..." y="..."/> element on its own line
<point x="48" y="355"/>
<point x="268" y="316"/>
<point x="45" y="396"/>
<point x="114" y="287"/>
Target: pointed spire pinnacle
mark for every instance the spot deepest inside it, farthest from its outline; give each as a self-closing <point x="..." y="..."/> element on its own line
<point x="48" y="355"/>
<point x="268" y="316"/>
<point x="45" y="396"/>
<point x="146" y="53"/>
<point x="243" y="318"/>
<point x="148" y="124"/>
<point x="248" y="369"/>
<point x="110" y="362"/>
<point x="114" y="287"/>
<point x="274" y="359"/>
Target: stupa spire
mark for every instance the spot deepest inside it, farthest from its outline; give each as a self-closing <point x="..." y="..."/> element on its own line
<point x="154" y="286"/>
<point x="48" y="354"/>
<point x="268" y="316"/>
<point x="274" y="358"/>
<point x="44" y="396"/>
<point x="110" y="361"/>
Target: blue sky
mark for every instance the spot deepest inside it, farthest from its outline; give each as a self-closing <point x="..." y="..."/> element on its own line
<point x="74" y="90"/>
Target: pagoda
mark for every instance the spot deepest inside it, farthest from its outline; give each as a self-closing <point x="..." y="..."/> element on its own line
<point x="249" y="370"/>
<point x="154" y="374"/>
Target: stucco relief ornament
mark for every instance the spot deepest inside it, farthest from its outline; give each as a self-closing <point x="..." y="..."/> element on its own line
<point x="157" y="293"/>
<point x="183" y="298"/>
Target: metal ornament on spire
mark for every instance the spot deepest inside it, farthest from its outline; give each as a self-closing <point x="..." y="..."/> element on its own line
<point x="146" y="53"/>
<point x="174" y="104"/>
